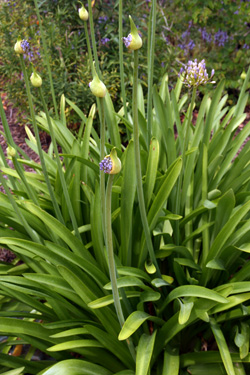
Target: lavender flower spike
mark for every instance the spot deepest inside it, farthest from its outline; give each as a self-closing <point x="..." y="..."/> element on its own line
<point x="195" y="74"/>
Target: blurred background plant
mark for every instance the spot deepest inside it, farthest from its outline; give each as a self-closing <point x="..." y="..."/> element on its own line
<point x="216" y="31"/>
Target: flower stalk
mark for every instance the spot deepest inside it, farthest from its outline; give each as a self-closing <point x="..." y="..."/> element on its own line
<point x="39" y="147"/>
<point x="123" y="92"/>
<point x="151" y="53"/>
<point x="138" y="169"/>
<point x="185" y="146"/>
<point x="111" y="261"/>
<point x="46" y="56"/>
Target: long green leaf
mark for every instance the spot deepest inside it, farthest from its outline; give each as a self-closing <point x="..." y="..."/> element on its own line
<point x="193" y="291"/>
<point x="223" y="348"/>
<point x="171" y="362"/>
<point x="144" y="353"/>
<point x="75" y="367"/>
<point x="134" y="321"/>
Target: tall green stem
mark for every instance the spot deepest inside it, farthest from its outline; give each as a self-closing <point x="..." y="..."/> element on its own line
<point x="121" y="62"/>
<point x="39" y="147"/>
<point x="88" y="46"/>
<point x="138" y="168"/>
<point x="102" y="155"/>
<point x="92" y="33"/>
<point x="111" y="259"/>
<point x="59" y="166"/>
<point x="185" y="146"/>
<point x="151" y="53"/>
<point x="46" y="55"/>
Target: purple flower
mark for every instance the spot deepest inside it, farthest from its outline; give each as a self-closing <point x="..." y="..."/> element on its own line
<point x="191" y="44"/>
<point x="106" y="164"/>
<point x="25" y="46"/>
<point x="127" y="40"/>
<point x="207" y="37"/>
<point x="221" y="38"/>
<point x="104" y="41"/>
<point x="102" y="19"/>
<point x="246" y="46"/>
<point x="195" y="74"/>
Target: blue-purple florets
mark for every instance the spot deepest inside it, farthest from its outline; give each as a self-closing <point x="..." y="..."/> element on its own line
<point x="195" y="74"/>
<point x="106" y="165"/>
<point x="127" y="40"/>
<point x="25" y="46"/>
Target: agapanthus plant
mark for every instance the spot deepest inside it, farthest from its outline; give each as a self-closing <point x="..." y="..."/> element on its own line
<point x="195" y="74"/>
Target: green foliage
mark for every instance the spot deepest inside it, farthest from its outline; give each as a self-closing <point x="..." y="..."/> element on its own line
<point x="141" y="272"/>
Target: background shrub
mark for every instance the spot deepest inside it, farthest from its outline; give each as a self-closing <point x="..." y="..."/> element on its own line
<point x="216" y="31"/>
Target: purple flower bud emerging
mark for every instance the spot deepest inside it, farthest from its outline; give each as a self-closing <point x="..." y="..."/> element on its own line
<point x="25" y="46"/>
<point x="106" y="165"/>
<point x="127" y="40"/>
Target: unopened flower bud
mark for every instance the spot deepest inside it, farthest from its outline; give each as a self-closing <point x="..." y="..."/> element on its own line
<point x="97" y="87"/>
<point x="11" y="152"/>
<point x="83" y="13"/>
<point x="133" y="40"/>
<point x="36" y="80"/>
<point x="111" y="164"/>
<point x="18" y="48"/>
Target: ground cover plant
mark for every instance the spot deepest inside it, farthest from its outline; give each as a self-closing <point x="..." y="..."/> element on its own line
<point x="131" y="257"/>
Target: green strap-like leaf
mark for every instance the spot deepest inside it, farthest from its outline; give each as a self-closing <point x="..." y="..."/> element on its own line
<point x="223" y="348"/>
<point x="75" y="344"/>
<point x="75" y="367"/>
<point x="144" y="353"/>
<point x="171" y="362"/>
<point x="193" y="291"/>
<point x="134" y="321"/>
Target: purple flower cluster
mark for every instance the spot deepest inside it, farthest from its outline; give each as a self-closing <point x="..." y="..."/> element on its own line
<point x="207" y="37"/>
<point x="195" y="74"/>
<point x="11" y="3"/>
<point x="186" y="43"/>
<point x="102" y="19"/>
<point x="25" y="46"/>
<point x="27" y="50"/>
<point x="221" y="38"/>
<point x="106" y="164"/>
<point x="127" y="40"/>
<point x="104" y="41"/>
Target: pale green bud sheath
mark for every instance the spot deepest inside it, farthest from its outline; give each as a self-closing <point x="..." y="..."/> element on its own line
<point x="11" y="152"/>
<point x="18" y="48"/>
<point x="133" y="41"/>
<point x="36" y="80"/>
<point x="96" y="86"/>
<point x="83" y="13"/>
